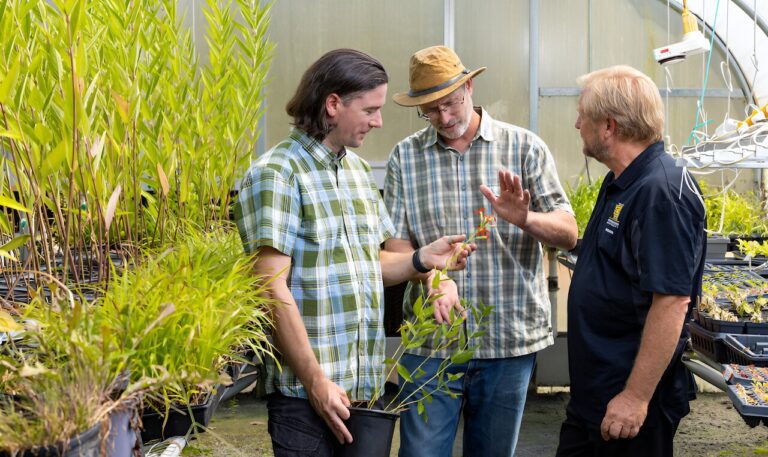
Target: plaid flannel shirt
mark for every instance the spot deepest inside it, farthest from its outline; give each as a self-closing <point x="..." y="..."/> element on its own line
<point x="432" y="190"/>
<point x="325" y="212"/>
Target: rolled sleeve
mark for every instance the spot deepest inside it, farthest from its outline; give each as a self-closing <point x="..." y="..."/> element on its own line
<point x="267" y="211"/>
<point x="393" y="198"/>
<point x="547" y="193"/>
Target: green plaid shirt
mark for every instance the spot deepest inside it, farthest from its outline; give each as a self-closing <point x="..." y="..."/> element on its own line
<point x="325" y="212"/>
<point x="432" y="190"/>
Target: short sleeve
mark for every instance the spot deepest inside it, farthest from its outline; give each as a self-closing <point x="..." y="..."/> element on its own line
<point x="393" y="197"/>
<point x="547" y="193"/>
<point x="267" y="211"/>
<point x="665" y="241"/>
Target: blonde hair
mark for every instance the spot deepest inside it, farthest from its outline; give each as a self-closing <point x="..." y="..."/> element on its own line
<point x="629" y="97"/>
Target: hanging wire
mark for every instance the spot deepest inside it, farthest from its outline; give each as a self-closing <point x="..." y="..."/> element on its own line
<point x="668" y="79"/>
<point x="706" y="76"/>
<point x="728" y="81"/>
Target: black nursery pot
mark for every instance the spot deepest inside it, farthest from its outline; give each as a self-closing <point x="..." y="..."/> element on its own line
<point x="84" y="445"/>
<point x="371" y="431"/>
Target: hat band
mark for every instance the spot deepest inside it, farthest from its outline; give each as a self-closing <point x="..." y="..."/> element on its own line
<point x="442" y="86"/>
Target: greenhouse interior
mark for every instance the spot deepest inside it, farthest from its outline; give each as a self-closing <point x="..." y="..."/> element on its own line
<point x="383" y="228"/>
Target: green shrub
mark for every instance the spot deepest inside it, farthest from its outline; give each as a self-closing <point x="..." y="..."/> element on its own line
<point x="583" y="199"/>
<point x="742" y="216"/>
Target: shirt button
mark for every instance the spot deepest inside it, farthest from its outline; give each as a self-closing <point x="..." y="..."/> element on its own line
<point x="469" y="275"/>
<point x="461" y="158"/>
<point x="463" y="187"/>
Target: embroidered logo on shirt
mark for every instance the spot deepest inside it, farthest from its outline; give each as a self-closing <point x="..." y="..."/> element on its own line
<point x="613" y="221"/>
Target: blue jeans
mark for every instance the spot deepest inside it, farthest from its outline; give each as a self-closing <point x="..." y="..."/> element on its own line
<point x="492" y="395"/>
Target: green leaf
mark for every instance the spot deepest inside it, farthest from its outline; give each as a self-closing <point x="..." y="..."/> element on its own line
<point x="420" y="407"/>
<point x="10" y="134"/>
<point x="9" y="81"/>
<point x="461" y="357"/>
<point x="4" y="223"/>
<point x="403" y="372"/>
<point x="455" y="376"/>
<point x="12" y="203"/>
<point x="418" y="307"/>
<point x="55" y="159"/>
<point x="15" y="243"/>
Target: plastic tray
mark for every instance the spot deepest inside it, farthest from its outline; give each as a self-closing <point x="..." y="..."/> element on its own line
<point x="709" y="344"/>
<point x="747" y="349"/>
<point x="752" y="414"/>
<point x="744" y="374"/>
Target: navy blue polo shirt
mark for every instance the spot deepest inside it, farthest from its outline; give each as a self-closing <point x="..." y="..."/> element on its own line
<point x="645" y="235"/>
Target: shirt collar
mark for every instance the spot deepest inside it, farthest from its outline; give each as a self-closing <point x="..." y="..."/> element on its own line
<point x="638" y="166"/>
<point x="485" y="131"/>
<point x="316" y="149"/>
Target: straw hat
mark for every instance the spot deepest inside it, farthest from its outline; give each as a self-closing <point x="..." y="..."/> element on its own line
<point x="434" y="73"/>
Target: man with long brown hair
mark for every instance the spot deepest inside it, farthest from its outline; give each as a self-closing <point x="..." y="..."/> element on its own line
<point x="311" y="208"/>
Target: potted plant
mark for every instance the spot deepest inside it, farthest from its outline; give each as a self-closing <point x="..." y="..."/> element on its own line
<point x="372" y="424"/>
<point x="372" y="427"/>
<point x="181" y="316"/>
<point x="734" y="216"/>
<point x="57" y="394"/>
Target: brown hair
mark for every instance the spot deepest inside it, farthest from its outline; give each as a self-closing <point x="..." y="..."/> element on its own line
<point x="629" y="97"/>
<point x="344" y="72"/>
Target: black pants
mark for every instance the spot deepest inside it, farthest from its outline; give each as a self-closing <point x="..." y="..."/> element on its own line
<point x="297" y="430"/>
<point x="579" y="439"/>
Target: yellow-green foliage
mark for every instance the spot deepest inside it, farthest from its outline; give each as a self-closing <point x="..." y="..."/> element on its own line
<point x="171" y="322"/>
<point x="583" y="199"/>
<point x="177" y="314"/>
<point x="113" y="129"/>
<point x="743" y="215"/>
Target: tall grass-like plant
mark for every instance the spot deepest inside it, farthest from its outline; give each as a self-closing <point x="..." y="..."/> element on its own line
<point x="110" y="129"/>
<point x="54" y="382"/>
<point x="181" y="315"/>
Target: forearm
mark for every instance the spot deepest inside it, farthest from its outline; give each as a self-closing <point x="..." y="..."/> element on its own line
<point x="397" y="267"/>
<point x="556" y="228"/>
<point x="661" y="334"/>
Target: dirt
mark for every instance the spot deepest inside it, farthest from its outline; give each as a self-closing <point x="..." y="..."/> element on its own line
<point x="713" y="428"/>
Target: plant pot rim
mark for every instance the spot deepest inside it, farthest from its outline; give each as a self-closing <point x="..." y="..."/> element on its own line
<point x="363" y="411"/>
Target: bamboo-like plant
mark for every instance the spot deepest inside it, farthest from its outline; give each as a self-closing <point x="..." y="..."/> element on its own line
<point x="110" y="129"/>
<point x="181" y="315"/>
<point x="583" y="198"/>
<point x="54" y="383"/>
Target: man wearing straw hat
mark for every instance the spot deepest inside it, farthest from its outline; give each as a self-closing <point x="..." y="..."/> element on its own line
<point x="436" y="180"/>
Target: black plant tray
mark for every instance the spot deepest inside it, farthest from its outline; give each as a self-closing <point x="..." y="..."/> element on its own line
<point x="741" y="277"/>
<point x="747" y="349"/>
<point x="711" y="324"/>
<point x="179" y="422"/>
<point x="752" y="414"/>
<point x="709" y="344"/>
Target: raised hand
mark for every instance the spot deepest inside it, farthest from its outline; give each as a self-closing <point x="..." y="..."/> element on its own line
<point x="512" y="202"/>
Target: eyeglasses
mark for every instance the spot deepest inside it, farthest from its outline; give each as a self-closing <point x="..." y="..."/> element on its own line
<point x="434" y="113"/>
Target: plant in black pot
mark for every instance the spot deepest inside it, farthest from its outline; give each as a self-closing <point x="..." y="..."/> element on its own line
<point x="181" y="315"/>
<point x="58" y="396"/>
<point x="372" y="424"/>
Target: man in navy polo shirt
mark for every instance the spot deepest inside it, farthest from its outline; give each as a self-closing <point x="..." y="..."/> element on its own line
<point x="637" y="276"/>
